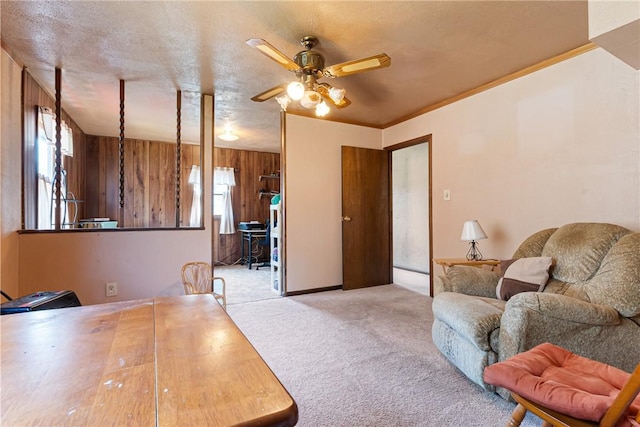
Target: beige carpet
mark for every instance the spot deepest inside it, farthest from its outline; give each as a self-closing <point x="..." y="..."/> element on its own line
<point x="365" y="358"/>
<point x="244" y="285"/>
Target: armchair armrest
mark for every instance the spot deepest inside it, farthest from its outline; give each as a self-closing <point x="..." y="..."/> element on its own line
<point x="590" y="330"/>
<point x="564" y="308"/>
<point x="467" y="280"/>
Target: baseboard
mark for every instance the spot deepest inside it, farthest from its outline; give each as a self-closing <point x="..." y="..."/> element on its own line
<point x="413" y="280"/>
<point x="312" y="291"/>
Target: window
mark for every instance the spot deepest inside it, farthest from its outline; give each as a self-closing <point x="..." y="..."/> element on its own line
<point x="46" y="167"/>
<point x="218" y="199"/>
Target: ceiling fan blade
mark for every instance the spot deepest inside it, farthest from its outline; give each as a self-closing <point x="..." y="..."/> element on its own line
<point x="273" y="53"/>
<point x="358" y="66"/>
<point x="323" y="89"/>
<point x="269" y="93"/>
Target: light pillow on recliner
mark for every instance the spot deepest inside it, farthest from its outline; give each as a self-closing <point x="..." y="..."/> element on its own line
<point x="524" y="275"/>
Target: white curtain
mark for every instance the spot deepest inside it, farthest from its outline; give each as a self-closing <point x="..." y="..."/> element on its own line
<point x="196" y="208"/>
<point x="225" y="177"/>
<point x="46" y="170"/>
<point x="44" y="203"/>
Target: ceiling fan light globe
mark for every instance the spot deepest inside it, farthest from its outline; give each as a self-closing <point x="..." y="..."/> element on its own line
<point x="337" y="94"/>
<point x="295" y="90"/>
<point x="311" y="99"/>
<point x="284" y="101"/>
<point x="322" y="109"/>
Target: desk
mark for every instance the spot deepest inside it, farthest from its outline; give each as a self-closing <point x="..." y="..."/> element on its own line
<point x="446" y="263"/>
<point x="156" y="362"/>
<point x="248" y="237"/>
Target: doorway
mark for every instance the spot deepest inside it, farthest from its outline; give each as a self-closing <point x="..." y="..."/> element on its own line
<point x="374" y="253"/>
<point x="245" y="183"/>
<point x="411" y="214"/>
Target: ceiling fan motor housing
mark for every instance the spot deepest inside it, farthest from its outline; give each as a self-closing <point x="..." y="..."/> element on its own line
<point x="310" y="62"/>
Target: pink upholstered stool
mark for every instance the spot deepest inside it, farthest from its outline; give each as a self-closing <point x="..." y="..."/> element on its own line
<point x="565" y="389"/>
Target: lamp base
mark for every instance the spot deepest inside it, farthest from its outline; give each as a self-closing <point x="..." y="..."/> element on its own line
<point x="474" y="254"/>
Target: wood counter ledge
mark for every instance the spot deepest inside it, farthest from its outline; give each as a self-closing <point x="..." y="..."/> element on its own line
<point x="157" y="362"/>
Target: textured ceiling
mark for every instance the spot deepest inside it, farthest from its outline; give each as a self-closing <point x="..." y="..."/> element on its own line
<point x="438" y="49"/>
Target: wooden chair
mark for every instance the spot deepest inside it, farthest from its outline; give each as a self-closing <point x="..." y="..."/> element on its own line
<point x="511" y="374"/>
<point x="553" y="418"/>
<point x="197" y="279"/>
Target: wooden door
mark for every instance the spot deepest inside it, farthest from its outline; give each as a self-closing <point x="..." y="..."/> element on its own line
<point x="366" y="225"/>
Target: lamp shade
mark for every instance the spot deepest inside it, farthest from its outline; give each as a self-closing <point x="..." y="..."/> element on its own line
<point x="322" y="109"/>
<point x="284" y="101"/>
<point x="295" y="90"/>
<point x="310" y="99"/>
<point x="471" y="230"/>
<point x="336" y="94"/>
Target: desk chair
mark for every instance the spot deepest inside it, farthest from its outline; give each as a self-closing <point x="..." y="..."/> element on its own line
<point x="197" y="279"/>
<point x="567" y="390"/>
<point x="266" y="242"/>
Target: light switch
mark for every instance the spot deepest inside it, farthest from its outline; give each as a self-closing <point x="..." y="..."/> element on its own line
<point x="447" y="194"/>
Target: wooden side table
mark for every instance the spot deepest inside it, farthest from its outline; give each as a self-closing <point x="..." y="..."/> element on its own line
<point x="446" y="263"/>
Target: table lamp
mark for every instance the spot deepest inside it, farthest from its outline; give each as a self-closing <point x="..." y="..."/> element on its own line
<point x="472" y="231"/>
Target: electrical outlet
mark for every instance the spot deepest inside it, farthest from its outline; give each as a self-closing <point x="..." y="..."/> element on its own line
<point x="111" y="289"/>
<point x="446" y="194"/>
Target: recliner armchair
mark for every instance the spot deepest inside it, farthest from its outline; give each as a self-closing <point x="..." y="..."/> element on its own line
<point x="590" y="305"/>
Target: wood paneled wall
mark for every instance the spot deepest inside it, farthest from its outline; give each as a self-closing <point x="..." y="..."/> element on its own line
<point x="34" y="96"/>
<point x="247" y="203"/>
<point x="149" y="177"/>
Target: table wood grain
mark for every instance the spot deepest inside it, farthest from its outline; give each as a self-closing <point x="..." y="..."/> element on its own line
<point x="157" y="362"/>
<point x="209" y="373"/>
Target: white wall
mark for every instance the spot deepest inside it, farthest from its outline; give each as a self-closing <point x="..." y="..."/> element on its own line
<point x="410" y="195"/>
<point x="606" y="16"/>
<point x="557" y="146"/>
<point x="145" y="264"/>
<point x="10" y="170"/>
<point x="615" y="27"/>
<point x="314" y="198"/>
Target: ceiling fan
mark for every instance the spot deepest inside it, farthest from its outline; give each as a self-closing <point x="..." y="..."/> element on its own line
<point x="308" y="65"/>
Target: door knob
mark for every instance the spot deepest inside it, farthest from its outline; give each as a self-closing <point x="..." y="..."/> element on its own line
<point x="346" y="218"/>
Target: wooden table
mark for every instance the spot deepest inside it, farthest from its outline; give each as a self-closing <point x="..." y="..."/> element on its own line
<point x="158" y="362"/>
<point x="446" y="263"/>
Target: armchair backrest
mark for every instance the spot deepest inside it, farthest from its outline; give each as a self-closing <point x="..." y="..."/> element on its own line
<point x="594" y="262"/>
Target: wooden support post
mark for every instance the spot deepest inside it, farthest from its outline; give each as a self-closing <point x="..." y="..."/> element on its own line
<point x="58" y="155"/>
<point x="121" y="153"/>
<point x="178" y="155"/>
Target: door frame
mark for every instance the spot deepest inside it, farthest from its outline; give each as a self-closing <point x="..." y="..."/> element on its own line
<point x="405" y="144"/>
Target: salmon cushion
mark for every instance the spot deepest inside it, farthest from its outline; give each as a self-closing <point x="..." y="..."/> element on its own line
<point x="562" y="381"/>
